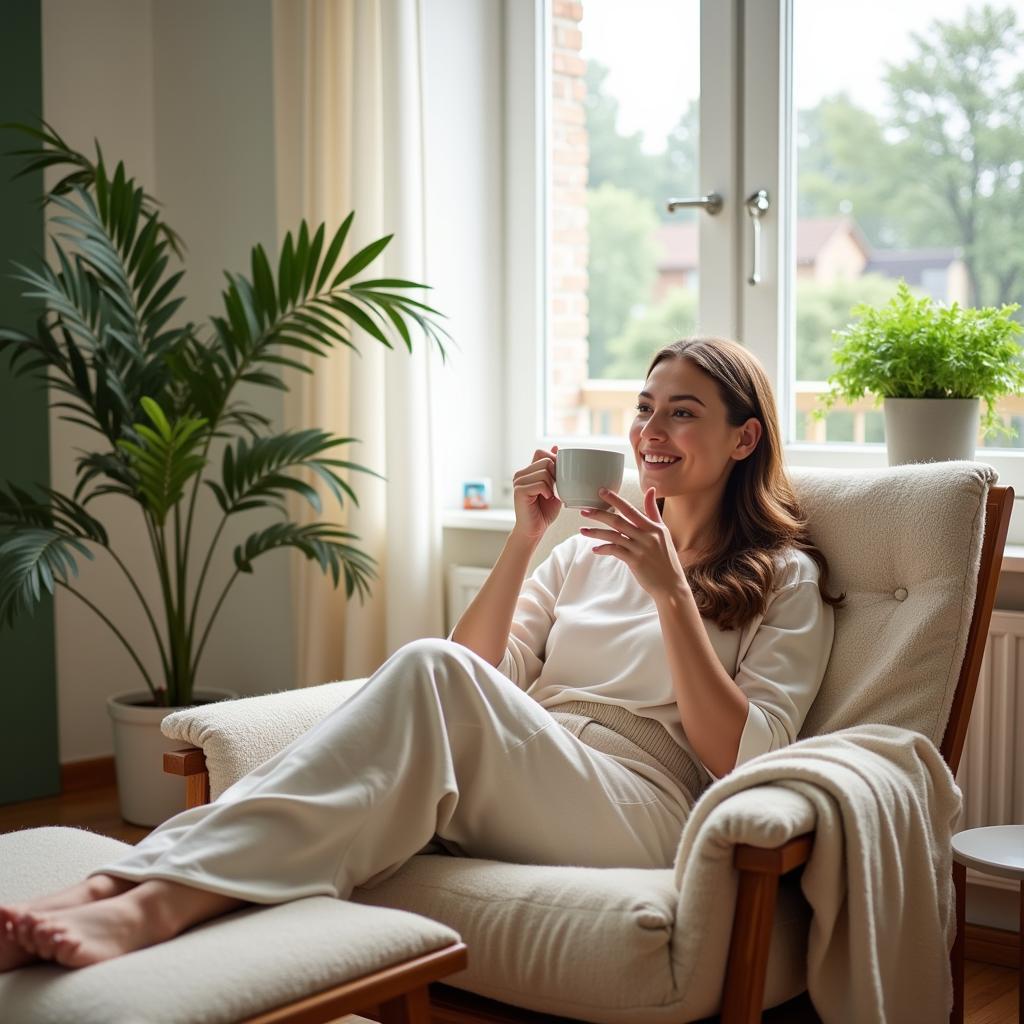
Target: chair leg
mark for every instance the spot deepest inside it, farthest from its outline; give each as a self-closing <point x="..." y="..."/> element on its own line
<point x="747" y="968"/>
<point x="956" y="954"/>
<point x="411" y="1008"/>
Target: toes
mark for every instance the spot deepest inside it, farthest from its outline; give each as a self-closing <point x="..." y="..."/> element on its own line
<point x="46" y="937"/>
<point x="24" y="929"/>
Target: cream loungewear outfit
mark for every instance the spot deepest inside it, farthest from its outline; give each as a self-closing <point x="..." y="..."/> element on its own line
<point x="569" y="752"/>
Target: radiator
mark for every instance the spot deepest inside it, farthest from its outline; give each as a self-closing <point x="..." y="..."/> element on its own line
<point x="991" y="771"/>
<point x="463" y="583"/>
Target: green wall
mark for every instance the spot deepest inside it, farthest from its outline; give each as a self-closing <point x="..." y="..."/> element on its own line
<point x="28" y="685"/>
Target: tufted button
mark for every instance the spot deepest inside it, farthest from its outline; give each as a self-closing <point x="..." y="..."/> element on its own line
<point x="901" y="594"/>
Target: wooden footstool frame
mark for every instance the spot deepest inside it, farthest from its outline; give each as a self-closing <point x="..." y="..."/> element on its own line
<point x="394" y="995"/>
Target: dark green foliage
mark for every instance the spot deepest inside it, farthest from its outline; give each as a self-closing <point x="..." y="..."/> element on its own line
<point x="157" y="395"/>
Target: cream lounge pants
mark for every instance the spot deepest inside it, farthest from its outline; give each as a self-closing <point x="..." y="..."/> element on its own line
<point x="438" y="743"/>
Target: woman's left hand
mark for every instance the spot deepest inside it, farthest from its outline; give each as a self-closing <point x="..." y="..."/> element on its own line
<point x="641" y="540"/>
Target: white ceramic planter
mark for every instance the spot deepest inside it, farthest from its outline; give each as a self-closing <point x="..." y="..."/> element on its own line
<point x="147" y="796"/>
<point x="931" y="429"/>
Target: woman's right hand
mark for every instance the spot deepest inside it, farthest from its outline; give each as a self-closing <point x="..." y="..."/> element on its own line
<point x="534" y="495"/>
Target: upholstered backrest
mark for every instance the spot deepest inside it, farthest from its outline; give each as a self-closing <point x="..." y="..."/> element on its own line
<point x="904" y="544"/>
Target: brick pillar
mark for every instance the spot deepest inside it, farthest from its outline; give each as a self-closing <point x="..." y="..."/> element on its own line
<point x="567" y="267"/>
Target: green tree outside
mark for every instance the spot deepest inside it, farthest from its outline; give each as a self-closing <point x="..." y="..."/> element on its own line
<point x="822" y="308"/>
<point x="673" y="318"/>
<point x="946" y="166"/>
<point x="623" y="264"/>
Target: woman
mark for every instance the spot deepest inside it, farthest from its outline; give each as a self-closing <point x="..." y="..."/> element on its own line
<point x="572" y="718"/>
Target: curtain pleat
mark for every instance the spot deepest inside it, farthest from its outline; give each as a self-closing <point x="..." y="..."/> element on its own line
<point x="349" y="125"/>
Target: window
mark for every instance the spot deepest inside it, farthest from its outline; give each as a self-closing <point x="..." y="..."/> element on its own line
<point x="622" y="270"/>
<point x="908" y="159"/>
<point x="871" y="167"/>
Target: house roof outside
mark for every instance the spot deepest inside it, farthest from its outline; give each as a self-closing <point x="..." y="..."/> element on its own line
<point x="814" y="233"/>
<point x="910" y="262"/>
<point x="678" y="243"/>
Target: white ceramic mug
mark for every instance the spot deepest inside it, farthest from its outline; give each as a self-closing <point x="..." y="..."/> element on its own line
<point x="581" y="472"/>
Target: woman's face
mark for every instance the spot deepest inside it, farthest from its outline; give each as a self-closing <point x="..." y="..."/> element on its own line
<point x="682" y="441"/>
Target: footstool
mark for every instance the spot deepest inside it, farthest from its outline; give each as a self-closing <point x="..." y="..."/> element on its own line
<point x="313" y="960"/>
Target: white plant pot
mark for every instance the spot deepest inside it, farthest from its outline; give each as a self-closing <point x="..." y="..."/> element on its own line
<point x="931" y="429"/>
<point x="147" y="796"/>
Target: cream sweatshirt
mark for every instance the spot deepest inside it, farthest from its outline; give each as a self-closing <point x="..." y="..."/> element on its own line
<point x="584" y="629"/>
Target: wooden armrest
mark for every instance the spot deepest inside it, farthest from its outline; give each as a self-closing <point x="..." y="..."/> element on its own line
<point x="190" y="762"/>
<point x="776" y="860"/>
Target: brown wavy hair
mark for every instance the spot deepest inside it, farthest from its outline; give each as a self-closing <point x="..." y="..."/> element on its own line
<point x="731" y="584"/>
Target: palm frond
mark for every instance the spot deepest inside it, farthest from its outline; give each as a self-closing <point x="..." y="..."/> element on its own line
<point x="320" y="542"/>
<point x="255" y="473"/>
<point x="306" y="305"/>
<point x="112" y="469"/>
<point x="32" y="561"/>
<point x="164" y="457"/>
<point x="19" y="508"/>
<point x="52" y="151"/>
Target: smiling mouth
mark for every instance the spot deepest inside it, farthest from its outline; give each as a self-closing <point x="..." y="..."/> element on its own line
<point x="659" y="461"/>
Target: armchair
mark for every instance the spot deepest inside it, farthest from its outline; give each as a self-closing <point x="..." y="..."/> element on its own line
<point x="918" y="551"/>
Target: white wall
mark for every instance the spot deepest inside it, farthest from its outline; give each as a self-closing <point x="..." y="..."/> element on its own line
<point x="182" y="91"/>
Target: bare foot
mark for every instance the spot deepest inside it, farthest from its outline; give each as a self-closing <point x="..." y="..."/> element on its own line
<point x="92" y="932"/>
<point x="17" y="946"/>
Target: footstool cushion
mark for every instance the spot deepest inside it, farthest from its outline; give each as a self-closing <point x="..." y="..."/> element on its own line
<point x="225" y="970"/>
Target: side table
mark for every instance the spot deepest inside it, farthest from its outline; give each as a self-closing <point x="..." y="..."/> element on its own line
<point x="995" y="850"/>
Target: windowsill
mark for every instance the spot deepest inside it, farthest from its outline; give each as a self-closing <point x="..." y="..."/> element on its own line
<point x="498" y="519"/>
<point x="501" y="520"/>
<point x="1013" y="558"/>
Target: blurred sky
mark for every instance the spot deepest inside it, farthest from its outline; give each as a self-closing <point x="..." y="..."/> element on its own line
<point x="651" y="47"/>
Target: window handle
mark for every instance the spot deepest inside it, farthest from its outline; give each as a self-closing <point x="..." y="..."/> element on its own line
<point x="757" y="205"/>
<point x="712" y="202"/>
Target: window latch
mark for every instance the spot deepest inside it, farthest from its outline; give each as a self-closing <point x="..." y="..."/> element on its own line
<point x="712" y="202"/>
<point x="757" y="205"/>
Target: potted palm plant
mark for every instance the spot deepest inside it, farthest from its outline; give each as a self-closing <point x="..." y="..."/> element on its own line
<point x="162" y="403"/>
<point x="932" y="366"/>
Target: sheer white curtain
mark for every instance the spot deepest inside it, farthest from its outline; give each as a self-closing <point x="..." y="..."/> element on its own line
<point x="349" y="130"/>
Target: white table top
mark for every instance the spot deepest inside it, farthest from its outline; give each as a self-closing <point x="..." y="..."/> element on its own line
<point x="996" y="850"/>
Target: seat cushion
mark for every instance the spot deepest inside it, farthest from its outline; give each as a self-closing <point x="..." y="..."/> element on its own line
<point x="595" y="944"/>
<point x="225" y="970"/>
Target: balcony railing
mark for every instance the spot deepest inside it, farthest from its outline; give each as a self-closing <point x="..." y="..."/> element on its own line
<point x="610" y="406"/>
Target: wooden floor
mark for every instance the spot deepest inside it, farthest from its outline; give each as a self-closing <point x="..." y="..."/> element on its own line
<point x="991" y="991"/>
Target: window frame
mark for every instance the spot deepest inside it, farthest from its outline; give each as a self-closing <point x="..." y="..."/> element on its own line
<point x="745" y="145"/>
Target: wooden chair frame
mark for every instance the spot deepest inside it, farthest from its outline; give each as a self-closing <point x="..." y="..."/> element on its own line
<point x="759" y="869"/>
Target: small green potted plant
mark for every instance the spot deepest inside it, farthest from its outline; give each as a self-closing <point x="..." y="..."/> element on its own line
<point x="932" y="365"/>
<point x="161" y="401"/>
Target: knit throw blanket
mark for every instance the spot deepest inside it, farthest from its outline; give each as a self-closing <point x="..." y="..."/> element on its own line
<point x="883" y="805"/>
